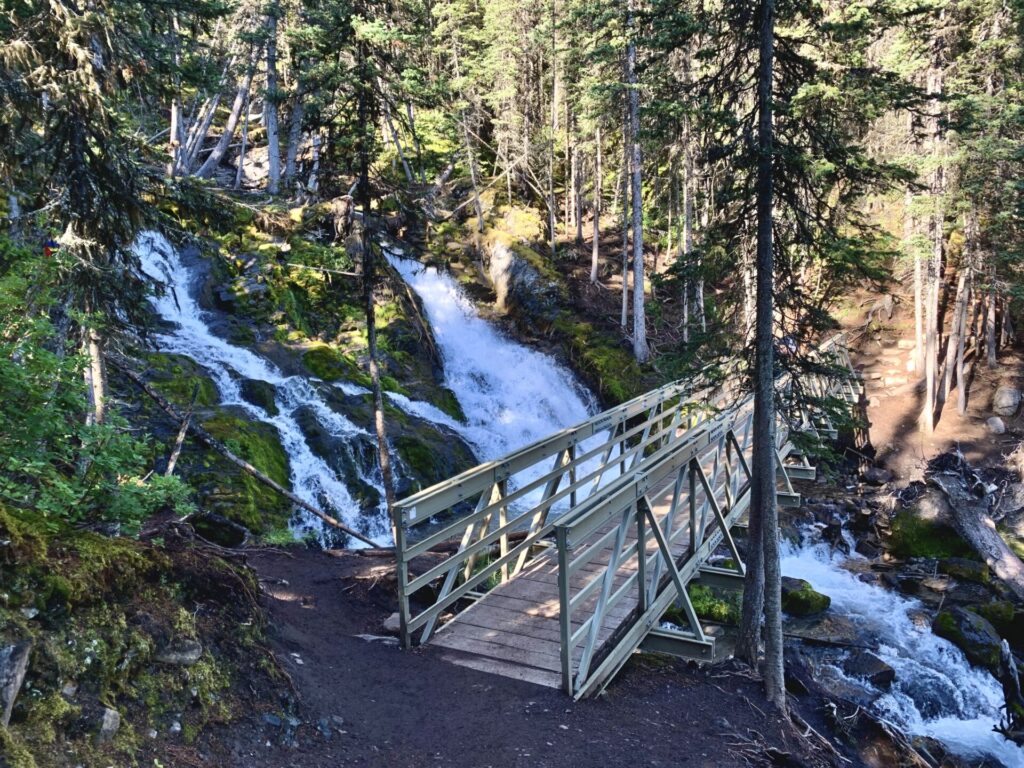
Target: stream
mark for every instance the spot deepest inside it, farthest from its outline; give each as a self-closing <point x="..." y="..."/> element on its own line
<point x="511" y="396"/>
<point x="936" y="691"/>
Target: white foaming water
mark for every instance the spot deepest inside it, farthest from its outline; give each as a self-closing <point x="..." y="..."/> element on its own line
<point x="511" y="395"/>
<point x="312" y="479"/>
<point x="937" y="692"/>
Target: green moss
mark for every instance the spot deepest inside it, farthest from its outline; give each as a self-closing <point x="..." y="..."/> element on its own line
<point x="709" y="604"/>
<point x="910" y="536"/>
<point x="805" y="601"/>
<point x="237" y="495"/>
<point x="329" y="364"/>
<point x="602" y="359"/>
<point x="965" y="570"/>
<point x="448" y="403"/>
<point x="176" y="377"/>
<point x="13" y="753"/>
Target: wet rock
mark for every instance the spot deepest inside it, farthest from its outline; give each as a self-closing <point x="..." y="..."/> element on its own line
<point x="870" y="667"/>
<point x="260" y="394"/>
<point x="1006" y="401"/>
<point x="877" y="476"/>
<point x="110" y="723"/>
<point x="1007" y="618"/>
<point x="218" y="530"/>
<point x="13" y="665"/>
<point x="183" y="653"/>
<point x="868" y="548"/>
<point x="996" y="425"/>
<point x="800" y="599"/>
<point x="393" y="623"/>
<point x="965" y="570"/>
<point x="522" y="289"/>
<point x="972" y="634"/>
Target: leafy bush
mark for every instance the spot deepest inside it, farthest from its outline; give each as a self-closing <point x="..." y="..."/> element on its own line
<point x="52" y="461"/>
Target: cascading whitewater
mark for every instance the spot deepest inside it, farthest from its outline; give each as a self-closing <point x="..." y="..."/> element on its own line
<point x="936" y="692"/>
<point x="311" y="477"/>
<point x="511" y="395"/>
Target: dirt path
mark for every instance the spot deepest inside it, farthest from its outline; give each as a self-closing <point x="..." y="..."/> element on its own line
<point x="381" y="706"/>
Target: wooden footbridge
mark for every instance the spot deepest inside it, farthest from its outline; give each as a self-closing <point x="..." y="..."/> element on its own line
<point x="555" y="563"/>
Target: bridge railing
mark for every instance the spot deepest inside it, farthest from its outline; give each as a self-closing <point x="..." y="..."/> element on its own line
<point x="499" y="511"/>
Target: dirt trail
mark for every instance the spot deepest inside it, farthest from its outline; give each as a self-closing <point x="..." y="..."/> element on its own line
<point x="382" y="706"/>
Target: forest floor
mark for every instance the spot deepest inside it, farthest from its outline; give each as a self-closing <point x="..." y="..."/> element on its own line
<point x="364" y="702"/>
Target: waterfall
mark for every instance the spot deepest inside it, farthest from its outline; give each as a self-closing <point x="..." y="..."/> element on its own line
<point x="510" y="394"/>
<point x="936" y="692"/>
<point x="190" y="335"/>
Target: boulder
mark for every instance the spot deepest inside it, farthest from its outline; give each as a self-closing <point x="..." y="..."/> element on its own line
<point x="393" y="623"/>
<point x="965" y="570"/>
<point x="800" y="599"/>
<point x="870" y="667"/>
<point x="1006" y="401"/>
<point x="110" y="722"/>
<point x="877" y="476"/>
<point x="13" y="665"/>
<point x="522" y="287"/>
<point x="996" y="425"/>
<point x="260" y="393"/>
<point x="972" y="634"/>
<point x="183" y="653"/>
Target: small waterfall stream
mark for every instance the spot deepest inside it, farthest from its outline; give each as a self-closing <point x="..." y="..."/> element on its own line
<point x="936" y="692"/>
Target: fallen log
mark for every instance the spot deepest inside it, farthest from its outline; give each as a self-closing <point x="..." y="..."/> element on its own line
<point x="972" y="520"/>
<point x="211" y="442"/>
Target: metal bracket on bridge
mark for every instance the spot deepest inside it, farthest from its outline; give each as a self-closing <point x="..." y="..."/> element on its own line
<point x="679" y="644"/>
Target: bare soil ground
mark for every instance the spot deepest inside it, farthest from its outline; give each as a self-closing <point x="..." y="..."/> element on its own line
<point x="367" y="703"/>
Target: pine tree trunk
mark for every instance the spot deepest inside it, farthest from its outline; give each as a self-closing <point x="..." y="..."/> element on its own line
<point x="625" y="221"/>
<point x="595" y="246"/>
<point x="313" y="184"/>
<point x="366" y="120"/>
<point x="935" y="262"/>
<point x="990" y="323"/>
<point x="240" y="171"/>
<point x="396" y="139"/>
<point x="270" y="104"/>
<point x="954" y="344"/>
<point x="640" y="349"/>
<point x="763" y="489"/>
<point x="908" y="238"/>
<point x="291" y="156"/>
<point x="687" y="242"/>
<point x="577" y="194"/>
<point x="213" y="161"/>
<point x="416" y="142"/>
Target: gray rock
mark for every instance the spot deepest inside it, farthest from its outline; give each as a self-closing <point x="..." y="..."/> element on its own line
<point x="109" y="725"/>
<point x="393" y="623"/>
<point x="13" y="665"/>
<point x="996" y="425"/>
<point x="183" y="653"/>
<point x="868" y="666"/>
<point x="972" y="634"/>
<point x="272" y="720"/>
<point x="877" y="476"/>
<point x="1006" y="401"/>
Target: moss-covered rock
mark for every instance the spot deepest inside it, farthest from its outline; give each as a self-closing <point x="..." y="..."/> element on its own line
<point x="799" y="598"/>
<point x="913" y="536"/>
<point x="710" y="604"/>
<point x="177" y="378"/>
<point x="1008" y="620"/>
<point x="261" y="394"/>
<point x="965" y="570"/>
<point x="102" y="609"/>
<point x="972" y="634"/>
<point x="225" y="489"/>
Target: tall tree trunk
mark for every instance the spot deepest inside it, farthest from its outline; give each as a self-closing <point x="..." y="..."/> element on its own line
<point x="240" y="171"/>
<point x="956" y="333"/>
<point x="397" y="140"/>
<point x="595" y="246"/>
<point x="935" y="262"/>
<point x="577" y="194"/>
<point x="291" y="155"/>
<point x="625" y="221"/>
<point x="96" y="376"/>
<point x="367" y="119"/>
<point x="766" y="588"/>
<point x="990" y="321"/>
<point x="416" y="143"/>
<point x="174" y="134"/>
<point x="270" y="103"/>
<point x="313" y="184"/>
<point x="213" y="160"/>
<point x="640" y="349"/>
<point x="909" y="225"/>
